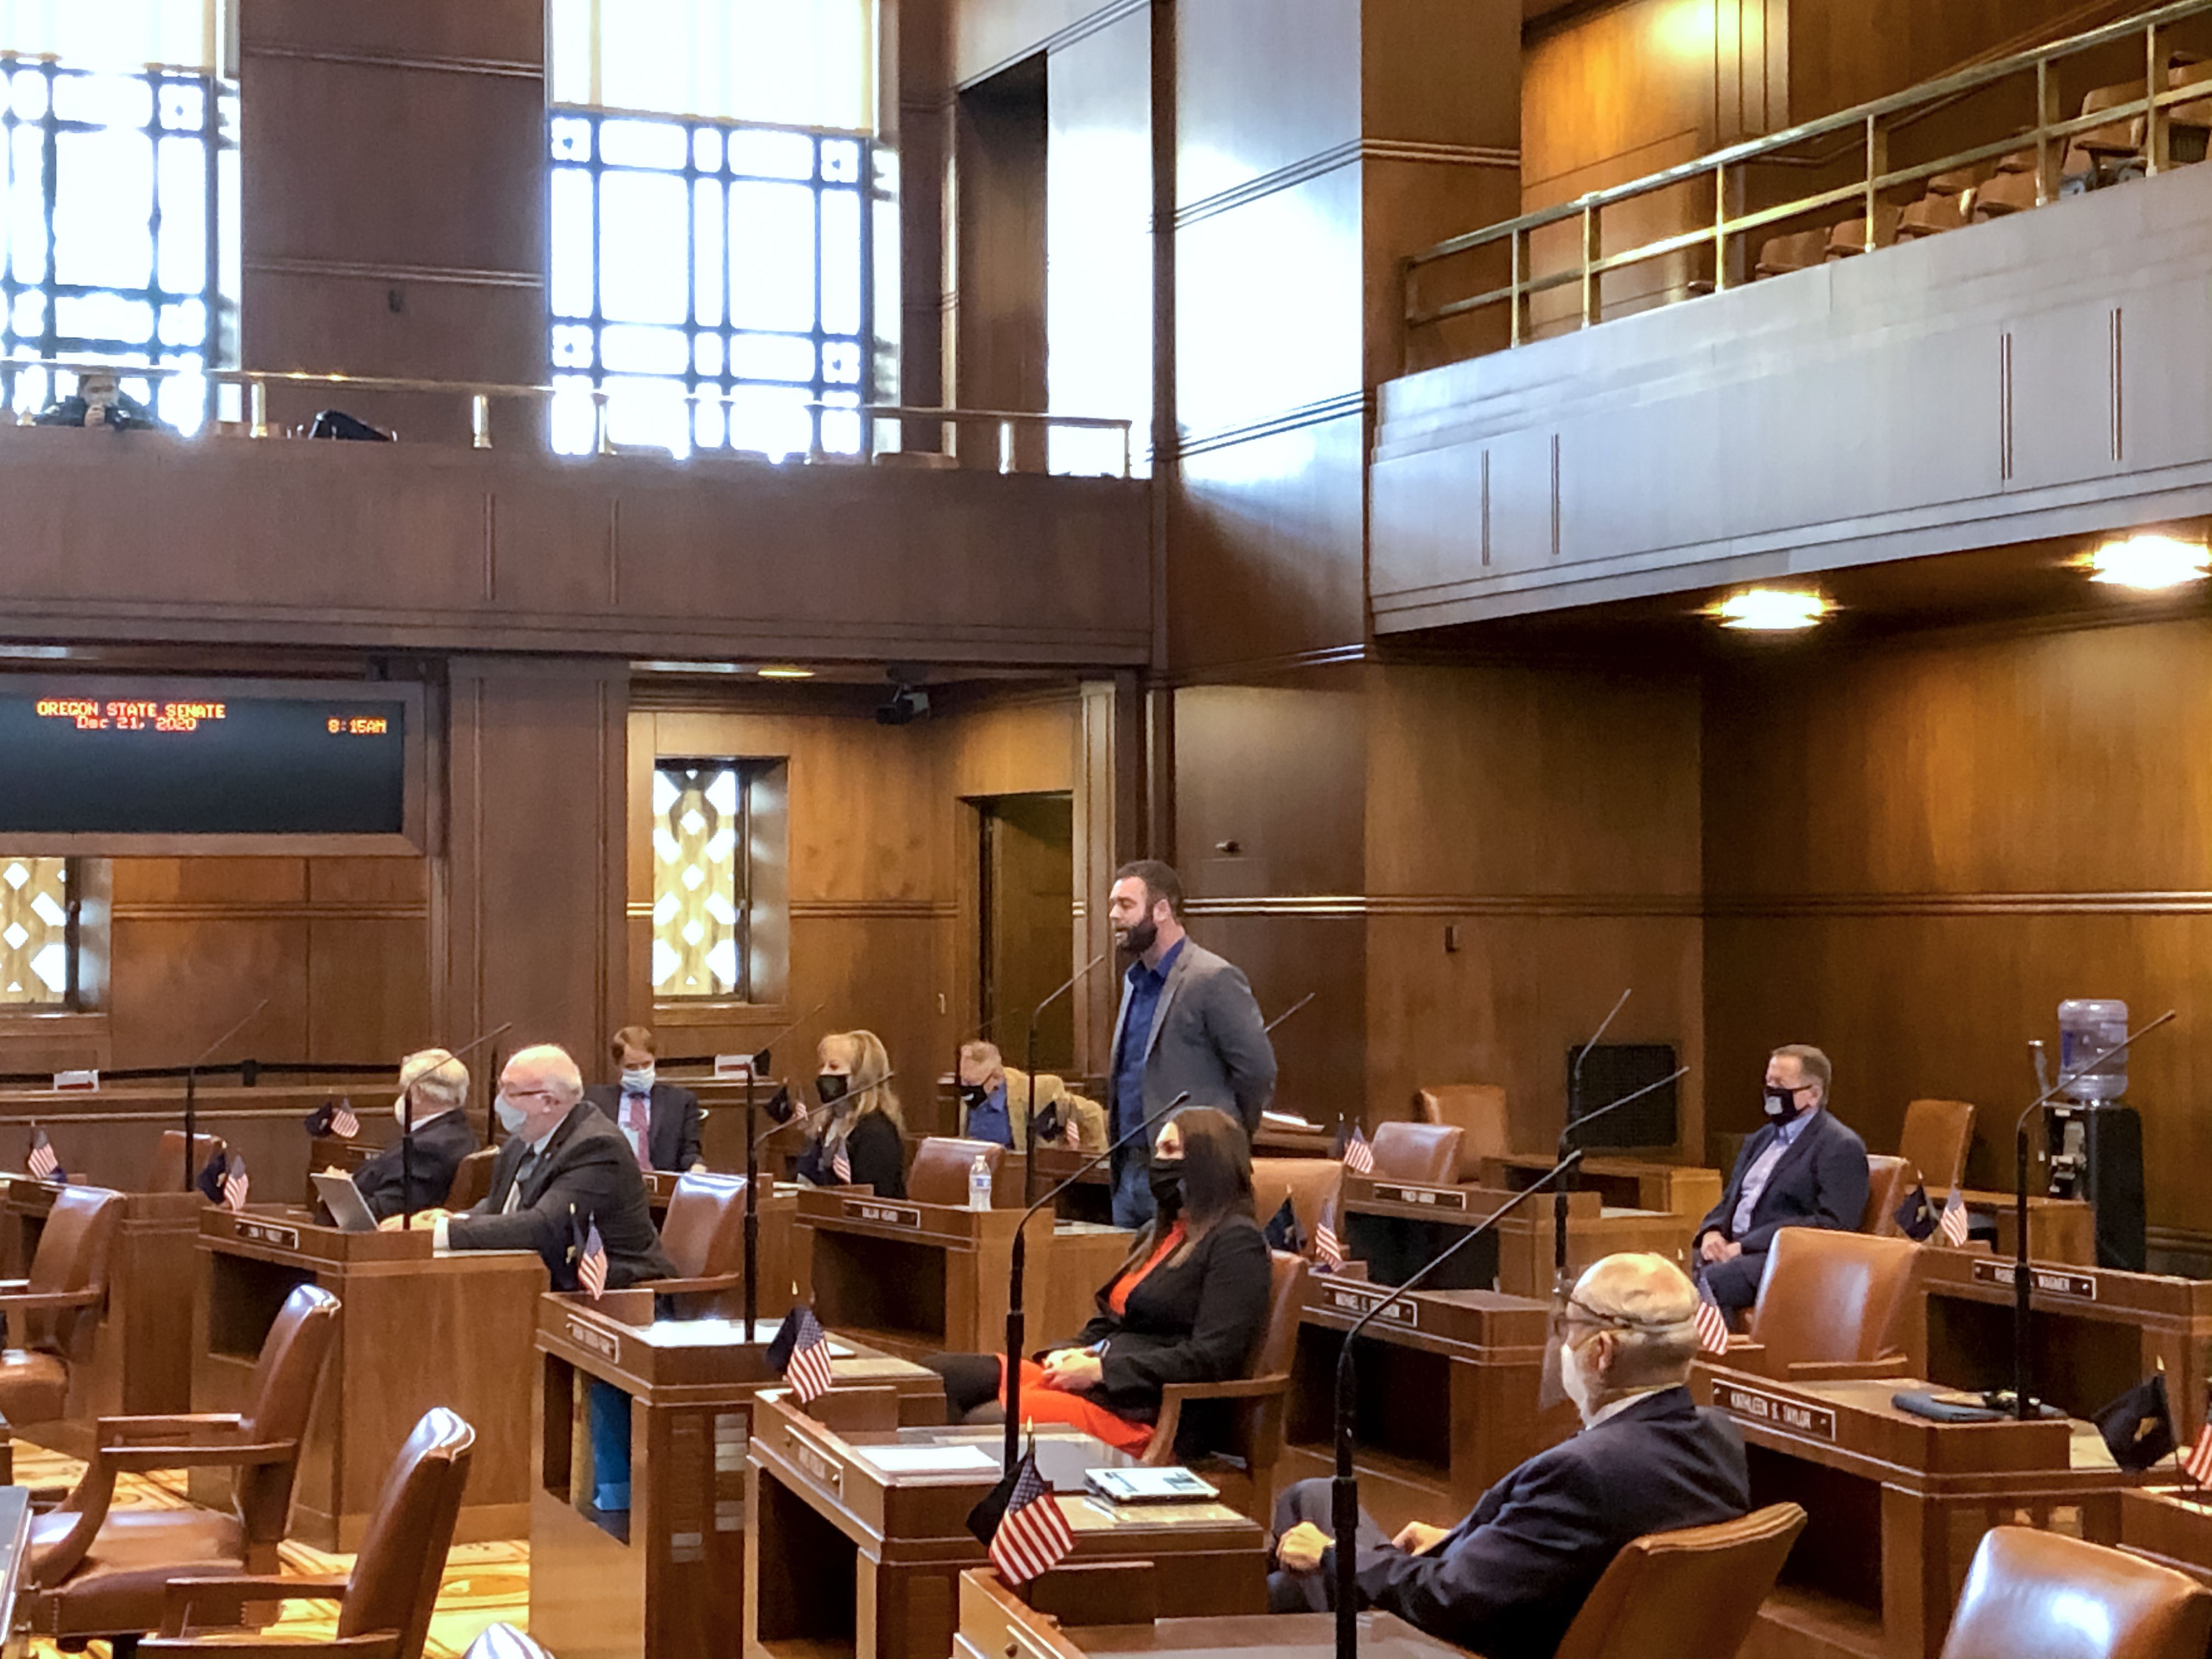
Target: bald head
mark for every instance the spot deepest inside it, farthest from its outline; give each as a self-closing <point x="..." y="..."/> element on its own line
<point x="1645" y="1314"/>
<point x="544" y="1083"/>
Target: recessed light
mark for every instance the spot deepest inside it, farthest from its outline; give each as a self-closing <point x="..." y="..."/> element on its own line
<point x="678" y="667"/>
<point x="785" y="671"/>
<point x="2149" y="562"/>
<point x="1770" y="610"/>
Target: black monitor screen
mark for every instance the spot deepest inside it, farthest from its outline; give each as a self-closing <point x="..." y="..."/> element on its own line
<point x="1612" y="1071"/>
<point x="192" y="764"/>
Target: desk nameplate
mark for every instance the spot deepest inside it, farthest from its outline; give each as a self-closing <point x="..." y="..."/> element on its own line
<point x="819" y="1464"/>
<point x="1389" y="1309"/>
<point x="605" y="1344"/>
<point x="1432" y="1198"/>
<point x="269" y="1233"/>
<point x="2047" y="1281"/>
<point x="884" y="1214"/>
<point x="1778" y="1411"/>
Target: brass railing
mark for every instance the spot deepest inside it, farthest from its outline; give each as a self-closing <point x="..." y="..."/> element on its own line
<point x="1004" y="426"/>
<point x="1872" y="123"/>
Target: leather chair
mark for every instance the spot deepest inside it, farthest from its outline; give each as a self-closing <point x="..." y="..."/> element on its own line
<point x="703" y="1236"/>
<point x="2056" y="1597"/>
<point x="1888" y="1180"/>
<point x="1828" y="1304"/>
<point x="166" y="1174"/>
<point x="98" y="1572"/>
<point x="54" y="1314"/>
<point x="384" y="1603"/>
<point x="1310" y="1183"/>
<point x="1478" y="1111"/>
<point x="471" y="1180"/>
<point x="1427" y="1154"/>
<point x="1248" y="1439"/>
<point x="1687" y="1595"/>
<point x="939" y="1175"/>
<point x="1936" y="1135"/>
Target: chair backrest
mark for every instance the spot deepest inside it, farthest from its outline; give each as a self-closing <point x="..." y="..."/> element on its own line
<point x="471" y="1180"/>
<point x="1309" y="1184"/>
<point x="1424" y="1153"/>
<point x="1477" y="1110"/>
<point x="704" y="1234"/>
<point x="939" y="1175"/>
<point x="1685" y="1595"/>
<point x="278" y="1398"/>
<point x="2056" y="1597"/>
<point x="167" y="1173"/>
<point x="1888" y="1180"/>
<point x="1935" y="1141"/>
<point x="1829" y="1297"/>
<point x="73" y="1253"/>
<point x="394" y="1583"/>
<point x="1286" y="1298"/>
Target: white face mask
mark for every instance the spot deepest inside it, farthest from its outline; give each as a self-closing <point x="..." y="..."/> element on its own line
<point x="399" y="1114"/>
<point x="637" y="1080"/>
<point x="1575" y="1381"/>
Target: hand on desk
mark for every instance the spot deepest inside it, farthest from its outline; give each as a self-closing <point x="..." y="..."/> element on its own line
<point x="1073" y="1368"/>
<point x="1419" y="1535"/>
<point x="1713" y="1247"/>
<point x="1300" y="1549"/>
<point x="425" y="1220"/>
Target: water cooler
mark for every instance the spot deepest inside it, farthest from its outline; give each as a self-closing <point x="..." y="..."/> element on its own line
<point x="2093" y="1145"/>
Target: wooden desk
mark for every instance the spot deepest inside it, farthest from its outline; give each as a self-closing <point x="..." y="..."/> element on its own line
<point x="1630" y="1183"/>
<point x="1396" y="1226"/>
<point x="923" y="1278"/>
<point x="2059" y="1229"/>
<point x="667" y="1577"/>
<point x="2097" y="1331"/>
<point x="414" y="1331"/>
<point x="994" y="1622"/>
<point x="142" y="1356"/>
<point x="1449" y="1386"/>
<point x="1925" y="1492"/>
<point x="847" y="1557"/>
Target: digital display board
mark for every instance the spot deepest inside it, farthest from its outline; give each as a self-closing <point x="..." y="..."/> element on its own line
<point x="180" y="760"/>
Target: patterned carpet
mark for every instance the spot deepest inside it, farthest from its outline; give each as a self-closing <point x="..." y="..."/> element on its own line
<point x="484" y="1585"/>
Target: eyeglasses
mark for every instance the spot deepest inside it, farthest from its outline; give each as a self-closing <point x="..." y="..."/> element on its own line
<point x="527" y="1094"/>
<point x="1568" y="1311"/>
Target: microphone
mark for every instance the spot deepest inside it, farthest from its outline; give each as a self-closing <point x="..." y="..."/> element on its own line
<point x="1576" y="1116"/>
<point x="1344" y="1489"/>
<point x="2023" y="1408"/>
<point x="1030" y="1135"/>
<point x="191" y="1091"/>
<point x="759" y="1058"/>
<point x="1017" y="1322"/>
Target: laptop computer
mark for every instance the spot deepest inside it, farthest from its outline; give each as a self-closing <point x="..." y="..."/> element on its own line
<point x="348" y="1210"/>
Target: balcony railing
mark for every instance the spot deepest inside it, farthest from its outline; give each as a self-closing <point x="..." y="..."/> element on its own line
<point x="1866" y="130"/>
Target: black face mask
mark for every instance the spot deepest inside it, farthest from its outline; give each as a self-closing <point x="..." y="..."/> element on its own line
<point x="1141" y="937"/>
<point x="1781" y="1103"/>
<point x="975" y="1094"/>
<point x="831" y="1086"/>
<point x="1166" y="1178"/>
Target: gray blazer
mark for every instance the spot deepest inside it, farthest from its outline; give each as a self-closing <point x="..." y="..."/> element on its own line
<point x="1206" y="1036"/>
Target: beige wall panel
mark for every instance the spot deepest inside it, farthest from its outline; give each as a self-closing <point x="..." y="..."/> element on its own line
<point x="369" y="993"/>
<point x="208" y="881"/>
<point x="368" y="881"/>
<point x="1020" y="749"/>
<point x="1442" y="71"/>
<point x="1268" y="787"/>
<point x="511" y="31"/>
<point x="1261" y="85"/>
<point x="177" y="985"/>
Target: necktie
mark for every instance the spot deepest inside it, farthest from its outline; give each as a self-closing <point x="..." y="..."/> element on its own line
<point x="521" y="1175"/>
<point x="637" y="1117"/>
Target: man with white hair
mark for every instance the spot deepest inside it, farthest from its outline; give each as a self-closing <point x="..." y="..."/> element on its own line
<point x="564" y="1168"/>
<point x="434" y="1089"/>
<point x="1509" y="1579"/>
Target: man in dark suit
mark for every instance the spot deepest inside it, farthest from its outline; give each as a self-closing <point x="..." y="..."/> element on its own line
<point x="1509" y="1579"/>
<point x="1803" y="1168"/>
<point x="563" y="1168"/>
<point x="659" y="1120"/>
<point x="433" y="1087"/>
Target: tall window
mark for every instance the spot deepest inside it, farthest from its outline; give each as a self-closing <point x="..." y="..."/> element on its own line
<point x="701" y="896"/>
<point x="716" y="200"/>
<point x="37" y="946"/>
<point x="118" y="199"/>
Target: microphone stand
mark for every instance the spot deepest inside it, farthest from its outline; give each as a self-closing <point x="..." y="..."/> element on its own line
<point x="1567" y="1145"/>
<point x="2023" y="1408"/>
<point x="1269" y="1029"/>
<point x="192" y="1093"/>
<point x="759" y="1059"/>
<point x="1017" y="1335"/>
<point x="1564" y="1190"/>
<point x="1029" y="1133"/>
<point x="1344" y="1489"/>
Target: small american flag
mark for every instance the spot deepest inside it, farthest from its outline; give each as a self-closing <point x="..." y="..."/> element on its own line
<point x="591" y="1264"/>
<point x="841" y="1164"/>
<point x="2198" y="1465"/>
<point x="1712" y="1323"/>
<point x="1358" y="1155"/>
<point x="801" y="1352"/>
<point x="344" y="1124"/>
<point x="1033" y="1536"/>
<point x="1072" y="1132"/>
<point x="235" y="1185"/>
<point x="43" y="1164"/>
<point x="1328" y="1249"/>
<point x="1951" y="1225"/>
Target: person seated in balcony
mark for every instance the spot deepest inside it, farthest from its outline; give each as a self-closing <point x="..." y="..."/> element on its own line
<point x="995" y="1103"/>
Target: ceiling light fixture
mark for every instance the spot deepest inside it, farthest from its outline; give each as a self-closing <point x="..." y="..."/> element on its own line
<point x="785" y="671"/>
<point x="1770" y="610"/>
<point x="2149" y="562"/>
<point x="674" y="666"/>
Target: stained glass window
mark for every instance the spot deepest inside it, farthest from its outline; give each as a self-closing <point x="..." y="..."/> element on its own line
<point x="35" y="966"/>
<point x="699" y="891"/>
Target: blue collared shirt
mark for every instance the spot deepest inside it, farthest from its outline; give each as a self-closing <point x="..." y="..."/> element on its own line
<point x="1756" y="1177"/>
<point x="990" y="1121"/>
<point x="1146" y="985"/>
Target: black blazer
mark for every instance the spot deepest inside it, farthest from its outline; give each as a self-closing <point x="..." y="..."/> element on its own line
<point x="1193" y="1321"/>
<point x="1822" y="1182"/>
<point x="875" y="1151"/>
<point x="1509" y="1580"/>
<point x="672" y="1136"/>
<point x="588" y="1174"/>
<point x="440" y="1146"/>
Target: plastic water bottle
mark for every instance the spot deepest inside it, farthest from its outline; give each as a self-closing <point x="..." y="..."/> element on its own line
<point x="979" y="1183"/>
<point x="2088" y="1027"/>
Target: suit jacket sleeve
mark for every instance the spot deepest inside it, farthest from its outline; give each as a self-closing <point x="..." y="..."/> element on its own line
<point x="586" y="1183"/>
<point x="1240" y="1037"/>
<point x="687" y="1135"/>
<point x="1839" y="1173"/>
<point x="1232" y="1305"/>
<point x="1536" y="1548"/>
